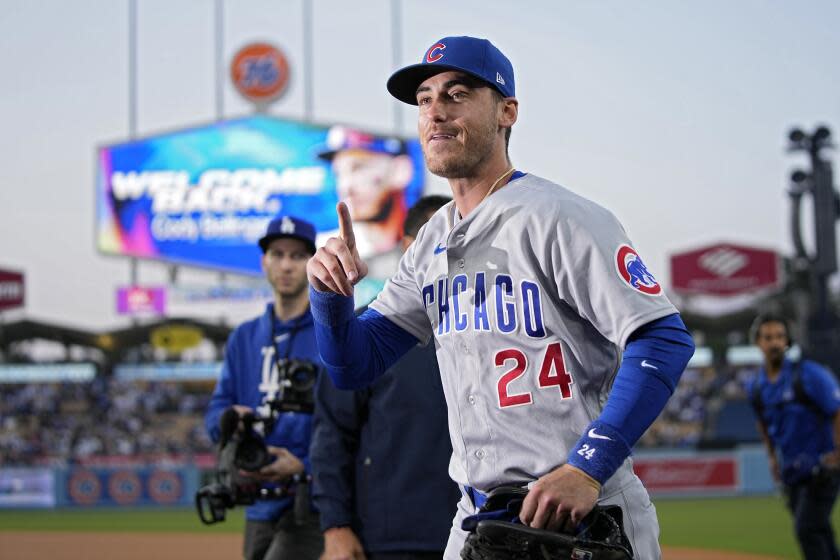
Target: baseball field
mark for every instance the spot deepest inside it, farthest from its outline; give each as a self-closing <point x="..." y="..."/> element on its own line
<point x="715" y="529"/>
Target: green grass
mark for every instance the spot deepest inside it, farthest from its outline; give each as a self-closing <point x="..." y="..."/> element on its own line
<point x="757" y="525"/>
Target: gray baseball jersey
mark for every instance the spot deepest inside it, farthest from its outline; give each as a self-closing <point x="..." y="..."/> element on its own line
<point x="530" y="299"/>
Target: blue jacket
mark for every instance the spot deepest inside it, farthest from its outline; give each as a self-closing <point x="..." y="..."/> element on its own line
<point x="380" y="458"/>
<point x="248" y="377"/>
<point x="799" y="434"/>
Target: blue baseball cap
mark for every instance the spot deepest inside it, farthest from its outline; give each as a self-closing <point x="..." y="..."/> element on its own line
<point x="289" y="226"/>
<point x="343" y="138"/>
<point x="477" y="57"/>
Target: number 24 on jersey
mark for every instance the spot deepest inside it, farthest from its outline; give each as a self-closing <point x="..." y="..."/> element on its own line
<point x="552" y="373"/>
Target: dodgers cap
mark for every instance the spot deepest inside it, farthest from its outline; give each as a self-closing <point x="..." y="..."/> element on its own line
<point x="289" y="226"/>
<point x="476" y="57"/>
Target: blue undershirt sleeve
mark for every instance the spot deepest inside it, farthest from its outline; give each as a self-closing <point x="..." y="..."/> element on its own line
<point x="355" y="350"/>
<point x="653" y="361"/>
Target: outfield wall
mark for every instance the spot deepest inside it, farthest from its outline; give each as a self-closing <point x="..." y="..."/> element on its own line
<point x="130" y="486"/>
<point x="666" y="473"/>
<point x="743" y="471"/>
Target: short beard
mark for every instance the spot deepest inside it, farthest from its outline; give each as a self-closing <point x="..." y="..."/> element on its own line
<point x="776" y="359"/>
<point x="293" y="292"/>
<point x="476" y="152"/>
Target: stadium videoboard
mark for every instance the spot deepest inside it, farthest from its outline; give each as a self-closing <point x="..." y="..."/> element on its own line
<point x="204" y="196"/>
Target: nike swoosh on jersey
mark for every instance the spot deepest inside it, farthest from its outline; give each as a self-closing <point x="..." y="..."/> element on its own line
<point x="647" y="364"/>
<point x="440" y="249"/>
<point x="595" y="435"/>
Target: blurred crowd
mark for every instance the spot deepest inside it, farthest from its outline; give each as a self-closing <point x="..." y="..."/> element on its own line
<point x="59" y="424"/>
<point x="690" y="417"/>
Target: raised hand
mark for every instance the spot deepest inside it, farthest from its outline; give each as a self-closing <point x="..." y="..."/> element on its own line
<point x="336" y="267"/>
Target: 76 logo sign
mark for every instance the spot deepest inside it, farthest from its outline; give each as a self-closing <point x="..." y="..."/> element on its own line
<point x="552" y="373"/>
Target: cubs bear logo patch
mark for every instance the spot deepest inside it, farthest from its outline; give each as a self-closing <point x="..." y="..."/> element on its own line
<point x="633" y="271"/>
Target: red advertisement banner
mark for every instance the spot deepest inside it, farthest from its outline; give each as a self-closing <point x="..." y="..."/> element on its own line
<point x="724" y="269"/>
<point x="690" y="474"/>
<point x="11" y="289"/>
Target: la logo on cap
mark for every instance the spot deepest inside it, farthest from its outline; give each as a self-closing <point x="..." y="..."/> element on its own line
<point x="435" y="53"/>
<point x="287" y="225"/>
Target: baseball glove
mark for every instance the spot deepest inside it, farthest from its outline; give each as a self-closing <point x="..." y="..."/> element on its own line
<point x="495" y="533"/>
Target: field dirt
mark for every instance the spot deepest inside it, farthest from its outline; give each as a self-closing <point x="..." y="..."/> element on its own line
<point x="21" y="545"/>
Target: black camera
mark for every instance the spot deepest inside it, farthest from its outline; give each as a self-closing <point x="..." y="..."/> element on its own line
<point x="242" y="448"/>
<point x="297" y="383"/>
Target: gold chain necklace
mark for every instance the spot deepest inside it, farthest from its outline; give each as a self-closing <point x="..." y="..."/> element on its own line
<point x="499" y="180"/>
<point x="451" y="216"/>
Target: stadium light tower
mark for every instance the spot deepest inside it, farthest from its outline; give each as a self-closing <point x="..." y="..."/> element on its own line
<point x="822" y="339"/>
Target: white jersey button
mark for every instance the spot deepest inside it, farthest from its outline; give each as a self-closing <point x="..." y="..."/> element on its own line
<point x="471" y="398"/>
<point x="461" y="263"/>
<point x="480" y="454"/>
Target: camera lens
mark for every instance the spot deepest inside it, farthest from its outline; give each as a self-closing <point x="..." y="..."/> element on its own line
<point x="302" y="376"/>
<point x="251" y="455"/>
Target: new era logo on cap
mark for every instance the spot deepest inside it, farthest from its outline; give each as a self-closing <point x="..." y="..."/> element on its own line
<point x="499" y="79"/>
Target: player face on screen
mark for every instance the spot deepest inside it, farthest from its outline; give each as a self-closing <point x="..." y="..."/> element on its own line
<point x="369" y="182"/>
<point x="459" y="123"/>
<point x="284" y="264"/>
<point x="772" y="340"/>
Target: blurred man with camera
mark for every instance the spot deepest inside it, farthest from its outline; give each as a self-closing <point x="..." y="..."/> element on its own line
<point x="797" y="404"/>
<point x="269" y="368"/>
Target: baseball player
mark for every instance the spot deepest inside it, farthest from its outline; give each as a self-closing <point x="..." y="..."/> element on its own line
<point x="557" y="347"/>
<point x="251" y="379"/>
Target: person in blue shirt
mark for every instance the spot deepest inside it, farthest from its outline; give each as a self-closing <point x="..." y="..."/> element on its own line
<point x="380" y="455"/>
<point x="250" y="379"/>
<point x="797" y="406"/>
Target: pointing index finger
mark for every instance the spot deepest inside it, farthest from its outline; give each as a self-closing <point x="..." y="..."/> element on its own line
<point x="345" y="226"/>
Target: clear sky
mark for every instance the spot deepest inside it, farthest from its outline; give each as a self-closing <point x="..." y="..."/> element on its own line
<point x="672" y="114"/>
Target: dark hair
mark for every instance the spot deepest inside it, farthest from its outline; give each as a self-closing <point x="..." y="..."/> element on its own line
<point x="421" y="211"/>
<point x="770" y="317"/>
<point x="500" y="98"/>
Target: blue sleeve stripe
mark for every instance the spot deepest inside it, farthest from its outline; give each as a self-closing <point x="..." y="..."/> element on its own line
<point x="656" y="355"/>
<point x="662" y="348"/>
<point x="653" y="363"/>
<point x="330" y="309"/>
<point x="355" y="350"/>
<point x="600" y="451"/>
